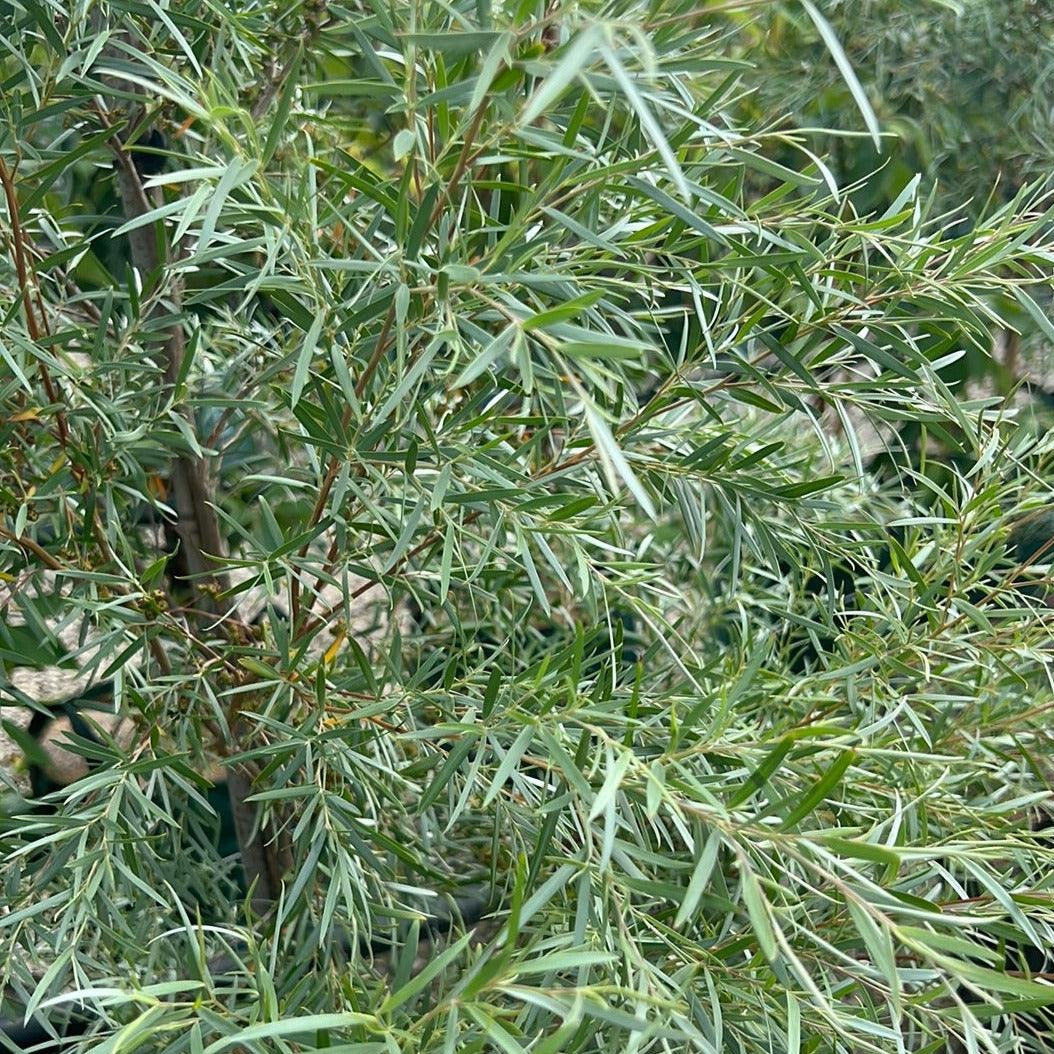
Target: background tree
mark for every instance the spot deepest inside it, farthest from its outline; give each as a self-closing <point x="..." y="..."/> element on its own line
<point x="507" y="385"/>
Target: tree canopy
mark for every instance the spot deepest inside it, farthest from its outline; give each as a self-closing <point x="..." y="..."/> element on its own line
<point x="531" y="454"/>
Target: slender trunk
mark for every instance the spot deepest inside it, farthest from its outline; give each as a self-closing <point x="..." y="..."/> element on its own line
<point x="264" y="856"/>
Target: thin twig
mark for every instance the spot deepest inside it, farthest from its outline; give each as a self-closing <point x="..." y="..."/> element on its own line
<point x="334" y="462"/>
<point x="27" y="284"/>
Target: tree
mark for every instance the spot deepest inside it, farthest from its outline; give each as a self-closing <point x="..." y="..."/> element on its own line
<point x="511" y="387"/>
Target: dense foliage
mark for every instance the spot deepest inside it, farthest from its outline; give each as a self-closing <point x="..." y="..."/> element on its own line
<point x="623" y="539"/>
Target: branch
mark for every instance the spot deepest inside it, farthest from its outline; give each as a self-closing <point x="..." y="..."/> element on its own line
<point x="31" y="546"/>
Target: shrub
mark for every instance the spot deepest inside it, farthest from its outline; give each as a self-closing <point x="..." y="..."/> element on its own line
<point x="503" y="449"/>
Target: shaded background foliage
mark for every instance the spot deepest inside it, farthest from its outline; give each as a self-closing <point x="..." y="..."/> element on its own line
<point x="713" y="639"/>
<point x="963" y="86"/>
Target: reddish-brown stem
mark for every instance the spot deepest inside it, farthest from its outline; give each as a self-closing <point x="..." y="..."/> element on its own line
<point x="32" y="547"/>
<point x="462" y="162"/>
<point x="37" y="328"/>
<point x="334" y="462"/>
<point x="378" y="353"/>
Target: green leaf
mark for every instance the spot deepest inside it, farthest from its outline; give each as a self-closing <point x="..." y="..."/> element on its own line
<point x="563" y="312"/>
<point x="295" y="1026"/>
<point x="303" y="362"/>
<point x="758" y="910"/>
<point x="496" y="57"/>
<point x="486" y="358"/>
<point x="651" y="126"/>
<point x="817" y="795"/>
<point x="846" y="70"/>
<point x="236" y="173"/>
<point x="1039" y="316"/>
<point x="426" y="976"/>
<point x="615" y="464"/>
<point x="509" y="763"/>
<point x="761" y="775"/>
<point x="453" y="45"/>
<point x="700" y="878"/>
<point x="879" y="945"/>
<point x="403" y="143"/>
<point x="572" y="63"/>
